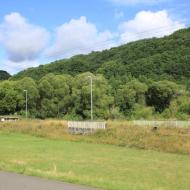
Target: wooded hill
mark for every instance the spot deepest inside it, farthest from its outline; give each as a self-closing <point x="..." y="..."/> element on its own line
<point x="157" y="58"/>
<point x="4" y="75"/>
<point x="147" y="79"/>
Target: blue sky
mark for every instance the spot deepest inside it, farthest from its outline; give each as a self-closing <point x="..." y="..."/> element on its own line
<point x="35" y="32"/>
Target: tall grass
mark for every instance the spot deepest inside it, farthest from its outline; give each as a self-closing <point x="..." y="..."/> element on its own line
<point x="167" y="139"/>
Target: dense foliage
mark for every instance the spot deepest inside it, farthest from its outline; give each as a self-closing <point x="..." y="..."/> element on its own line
<point x="158" y="58"/>
<point x="143" y="79"/>
<point x="64" y="96"/>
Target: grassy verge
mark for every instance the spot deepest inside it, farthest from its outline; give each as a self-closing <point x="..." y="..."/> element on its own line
<point x="167" y="139"/>
<point x="104" y="166"/>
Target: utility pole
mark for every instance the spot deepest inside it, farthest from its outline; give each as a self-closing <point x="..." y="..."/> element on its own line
<point x="91" y="97"/>
<point x="26" y="103"/>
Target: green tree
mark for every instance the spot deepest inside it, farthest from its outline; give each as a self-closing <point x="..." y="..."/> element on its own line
<point x="161" y="93"/>
<point x="32" y="92"/>
<point x="180" y="107"/>
<point x="129" y="94"/>
<point x="55" y="95"/>
<point x="7" y="98"/>
<point x="102" y="100"/>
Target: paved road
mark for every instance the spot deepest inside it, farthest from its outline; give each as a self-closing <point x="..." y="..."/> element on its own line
<point x="10" y="181"/>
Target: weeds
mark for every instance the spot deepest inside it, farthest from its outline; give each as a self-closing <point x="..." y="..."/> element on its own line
<point x="167" y="139"/>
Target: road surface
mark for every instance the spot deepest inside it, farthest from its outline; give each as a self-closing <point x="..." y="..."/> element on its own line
<point x="9" y="181"/>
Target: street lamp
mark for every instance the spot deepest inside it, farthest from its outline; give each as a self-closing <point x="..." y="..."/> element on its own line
<point x="26" y="105"/>
<point x="91" y="100"/>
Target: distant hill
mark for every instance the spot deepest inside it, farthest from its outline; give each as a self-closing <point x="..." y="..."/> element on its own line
<point x="4" y="75"/>
<point x="156" y="58"/>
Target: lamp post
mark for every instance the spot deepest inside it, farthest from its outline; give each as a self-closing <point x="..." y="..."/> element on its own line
<point x="26" y="103"/>
<point x="91" y="98"/>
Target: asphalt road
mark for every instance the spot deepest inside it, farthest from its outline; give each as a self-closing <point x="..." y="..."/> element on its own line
<point x="9" y="181"/>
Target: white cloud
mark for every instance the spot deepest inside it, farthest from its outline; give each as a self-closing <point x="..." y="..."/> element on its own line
<point x="147" y="24"/>
<point x="22" y="40"/>
<point x="25" y="42"/>
<point x="12" y="67"/>
<point x="79" y="36"/>
<point x="134" y="2"/>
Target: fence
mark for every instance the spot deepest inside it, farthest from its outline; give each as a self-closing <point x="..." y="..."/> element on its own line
<point x="86" y="127"/>
<point x="167" y="123"/>
<point x="6" y="119"/>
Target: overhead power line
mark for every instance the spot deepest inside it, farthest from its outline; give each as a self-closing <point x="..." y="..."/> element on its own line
<point x="114" y="42"/>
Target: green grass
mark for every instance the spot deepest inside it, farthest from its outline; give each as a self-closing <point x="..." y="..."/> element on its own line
<point x="166" y="139"/>
<point x="105" y="166"/>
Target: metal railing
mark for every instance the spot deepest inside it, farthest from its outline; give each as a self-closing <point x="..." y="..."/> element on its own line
<point x="163" y="123"/>
<point x="78" y="127"/>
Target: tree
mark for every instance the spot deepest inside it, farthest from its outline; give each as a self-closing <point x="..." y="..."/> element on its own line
<point x="112" y="69"/>
<point x="102" y="100"/>
<point x="142" y="112"/>
<point x="32" y="95"/>
<point x="55" y="95"/>
<point x="7" y="98"/>
<point x="129" y="94"/>
<point x="161" y="93"/>
<point x="179" y="107"/>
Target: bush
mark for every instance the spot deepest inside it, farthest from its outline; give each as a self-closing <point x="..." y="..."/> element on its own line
<point x="71" y="117"/>
<point x="142" y="112"/>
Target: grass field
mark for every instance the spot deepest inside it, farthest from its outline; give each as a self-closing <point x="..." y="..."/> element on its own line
<point x="120" y="133"/>
<point x="105" y="166"/>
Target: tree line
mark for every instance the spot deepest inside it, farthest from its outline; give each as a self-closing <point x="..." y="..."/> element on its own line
<point x="68" y="97"/>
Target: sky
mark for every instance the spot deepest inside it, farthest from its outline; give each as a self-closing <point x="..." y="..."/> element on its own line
<point x="34" y="32"/>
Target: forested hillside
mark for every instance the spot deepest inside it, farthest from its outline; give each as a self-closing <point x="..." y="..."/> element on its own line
<point x="4" y="75"/>
<point x="157" y="58"/>
<point x="146" y="79"/>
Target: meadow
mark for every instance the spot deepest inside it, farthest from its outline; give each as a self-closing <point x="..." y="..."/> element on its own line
<point x="169" y="139"/>
<point x="107" y="167"/>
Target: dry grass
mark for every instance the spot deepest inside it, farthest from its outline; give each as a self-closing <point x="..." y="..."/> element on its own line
<point x="167" y="139"/>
